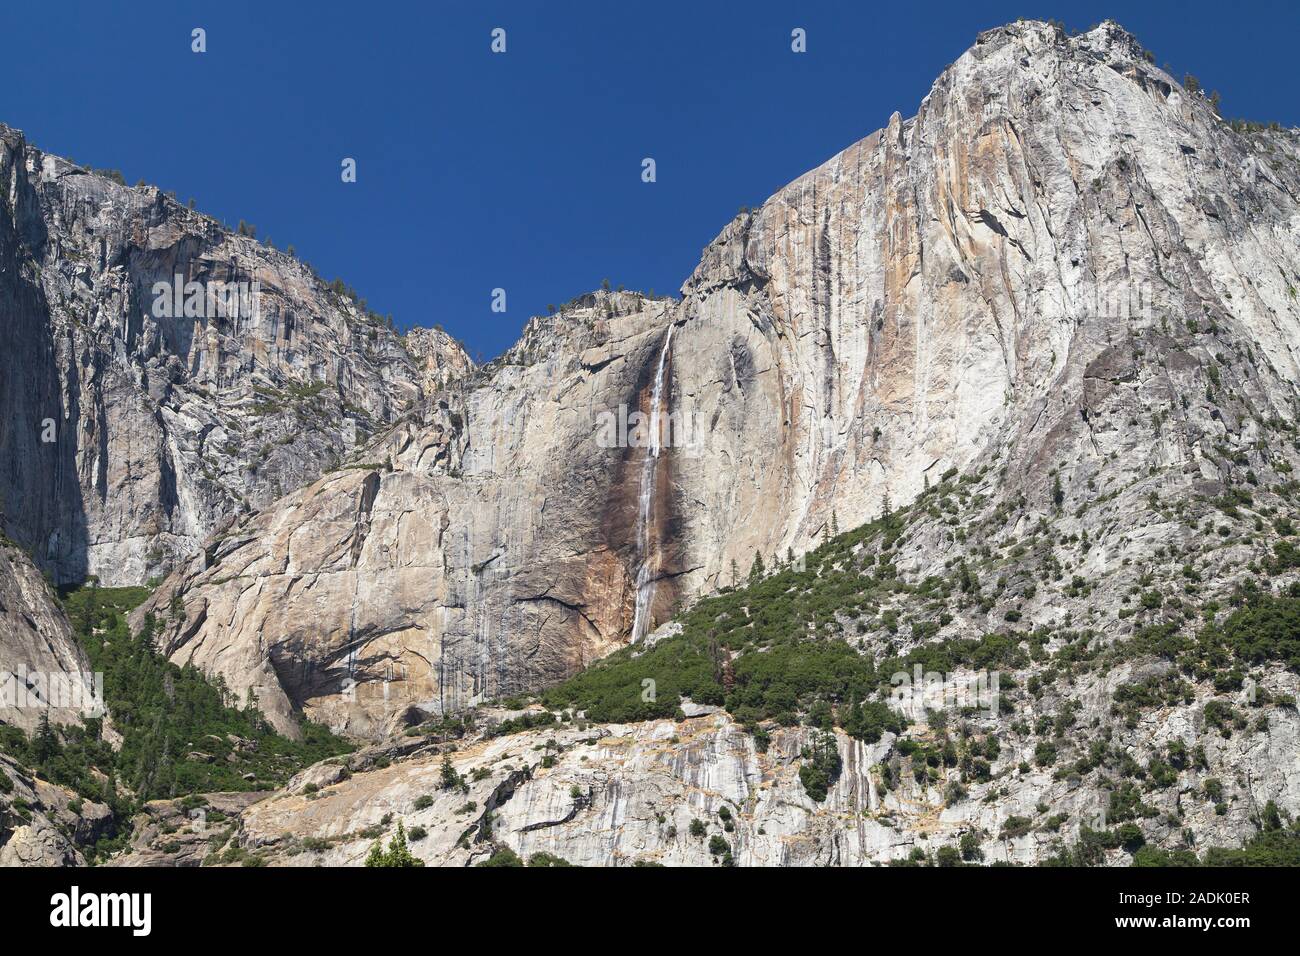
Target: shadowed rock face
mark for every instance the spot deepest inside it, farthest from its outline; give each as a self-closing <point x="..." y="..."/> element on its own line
<point x="1060" y="243"/>
<point x="131" y="431"/>
<point x="36" y="647"/>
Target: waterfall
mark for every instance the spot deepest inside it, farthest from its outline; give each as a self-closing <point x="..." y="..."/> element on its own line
<point x="649" y="557"/>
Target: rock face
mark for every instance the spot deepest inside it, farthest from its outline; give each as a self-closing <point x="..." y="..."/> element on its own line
<point x="43" y="669"/>
<point x="479" y="550"/>
<point x="42" y="824"/>
<point x="135" y="418"/>
<point x="1065" y="272"/>
<point x="439" y="358"/>
<point x="625" y="794"/>
<point x="179" y="832"/>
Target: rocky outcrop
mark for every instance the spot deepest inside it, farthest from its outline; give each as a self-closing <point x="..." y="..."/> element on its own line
<point x="43" y="670"/>
<point x="664" y="792"/>
<point x="182" y="832"/>
<point x="163" y="374"/>
<point x="439" y="358"/>
<point x="1065" y="271"/>
<point x="42" y="824"/>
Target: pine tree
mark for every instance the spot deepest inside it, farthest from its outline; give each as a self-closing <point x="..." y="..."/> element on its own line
<point x="852" y="720"/>
<point x="397" y="854"/>
<point x="450" y="778"/>
<point x="45" y="743"/>
<point x="756" y="569"/>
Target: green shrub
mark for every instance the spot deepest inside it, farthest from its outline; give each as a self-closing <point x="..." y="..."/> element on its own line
<point x="397" y="854"/>
<point x="821" y="766"/>
<point x="503" y="856"/>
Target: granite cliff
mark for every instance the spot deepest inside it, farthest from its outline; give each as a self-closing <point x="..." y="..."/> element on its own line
<point x="164" y="373"/>
<point x="1065" y="266"/>
<point x="1008" y="386"/>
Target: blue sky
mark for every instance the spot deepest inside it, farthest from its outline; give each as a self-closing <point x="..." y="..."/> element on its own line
<point x="522" y="170"/>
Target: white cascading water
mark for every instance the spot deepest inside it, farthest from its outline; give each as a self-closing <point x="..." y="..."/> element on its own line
<point x="647" y="570"/>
